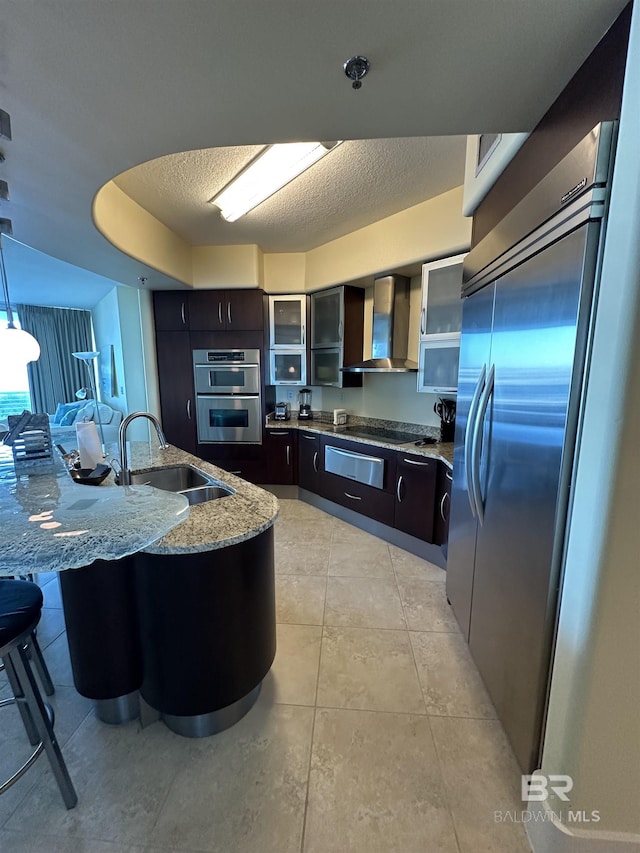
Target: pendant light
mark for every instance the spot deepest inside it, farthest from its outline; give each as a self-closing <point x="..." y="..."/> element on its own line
<point x="16" y="345"/>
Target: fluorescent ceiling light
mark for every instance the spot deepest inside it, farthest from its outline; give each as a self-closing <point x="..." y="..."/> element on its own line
<point x="268" y="173"/>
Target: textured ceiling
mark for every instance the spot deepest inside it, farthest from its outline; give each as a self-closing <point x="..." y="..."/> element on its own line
<point x="96" y="88"/>
<point x="357" y="183"/>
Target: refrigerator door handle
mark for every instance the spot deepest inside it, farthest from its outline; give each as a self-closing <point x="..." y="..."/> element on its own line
<point x="476" y="449"/>
<point x="468" y="437"/>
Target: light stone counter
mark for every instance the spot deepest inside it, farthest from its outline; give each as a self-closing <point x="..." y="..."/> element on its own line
<point x="213" y="524"/>
<point x="48" y="523"/>
<point x="442" y="451"/>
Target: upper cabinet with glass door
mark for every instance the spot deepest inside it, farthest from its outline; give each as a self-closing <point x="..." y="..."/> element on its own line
<point x="440" y="325"/>
<point x="441" y="297"/>
<point x="287" y="321"/>
<point x="337" y="327"/>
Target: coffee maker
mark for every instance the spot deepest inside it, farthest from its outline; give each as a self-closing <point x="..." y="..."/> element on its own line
<point x="304" y="398"/>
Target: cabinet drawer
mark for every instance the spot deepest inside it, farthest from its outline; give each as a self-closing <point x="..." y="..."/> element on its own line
<point x="374" y="503"/>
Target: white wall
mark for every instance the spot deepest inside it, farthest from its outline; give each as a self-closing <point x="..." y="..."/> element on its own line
<point x="593" y="730"/>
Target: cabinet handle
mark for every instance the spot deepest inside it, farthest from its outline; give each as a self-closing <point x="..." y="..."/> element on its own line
<point x="444" y="497"/>
<point x="413" y="462"/>
<point x="219" y="313"/>
<point x="445" y="390"/>
<point x="398" y="489"/>
<point x="448" y="475"/>
<point x="309" y="437"/>
<point x="353" y="497"/>
<point x="315" y="461"/>
<point x="182" y="314"/>
<point x="422" y="315"/>
<point x="340" y="331"/>
<point x="279" y="432"/>
<point x="229" y="312"/>
<point x="189" y="409"/>
<point x="288" y="454"/>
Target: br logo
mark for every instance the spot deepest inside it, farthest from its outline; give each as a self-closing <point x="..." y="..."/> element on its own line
<point x="535" y="787"/>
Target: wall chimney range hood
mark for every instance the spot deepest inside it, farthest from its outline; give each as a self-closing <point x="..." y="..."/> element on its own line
<point x="390" y="341"/>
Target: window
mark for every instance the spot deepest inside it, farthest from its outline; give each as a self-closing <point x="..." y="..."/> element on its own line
<point x="14" y="384"/>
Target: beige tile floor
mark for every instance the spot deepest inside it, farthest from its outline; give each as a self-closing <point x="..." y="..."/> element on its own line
<point x="373" y="731"/>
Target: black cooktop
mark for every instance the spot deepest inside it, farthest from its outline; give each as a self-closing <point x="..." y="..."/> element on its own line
<point x="391" y="436"/>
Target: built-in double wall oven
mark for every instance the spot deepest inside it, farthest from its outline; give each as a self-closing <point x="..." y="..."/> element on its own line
<point x="228" y="405"/>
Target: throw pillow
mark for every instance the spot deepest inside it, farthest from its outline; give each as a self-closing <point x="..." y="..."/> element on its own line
<point x="88" y="413"/>
<point x="63" y="408"/>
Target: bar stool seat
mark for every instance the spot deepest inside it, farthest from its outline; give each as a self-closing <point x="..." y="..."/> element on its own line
<point x="20" y="610"/>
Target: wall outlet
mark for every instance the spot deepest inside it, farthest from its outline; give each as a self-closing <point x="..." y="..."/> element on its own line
<point x="289" y="395"/>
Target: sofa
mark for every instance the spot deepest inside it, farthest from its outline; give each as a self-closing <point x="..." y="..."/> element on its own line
<point x="63" y="423"/>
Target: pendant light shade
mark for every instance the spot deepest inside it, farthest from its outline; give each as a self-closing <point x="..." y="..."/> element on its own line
<point x="16" y="345"/>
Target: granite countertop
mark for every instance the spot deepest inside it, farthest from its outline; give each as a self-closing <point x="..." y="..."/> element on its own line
<point x="213" y="524"/>
<point x="439" y="450"/>
<point x="48" y="523"/>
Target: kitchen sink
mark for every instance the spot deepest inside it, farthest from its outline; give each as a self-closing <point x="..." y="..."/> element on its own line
<point x="196" y="486"/>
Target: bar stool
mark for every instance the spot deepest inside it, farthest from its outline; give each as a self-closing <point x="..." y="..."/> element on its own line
<point x="20" y="610"/>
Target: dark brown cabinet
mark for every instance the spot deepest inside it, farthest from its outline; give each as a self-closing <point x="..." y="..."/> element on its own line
<point x="375" y="503"/>
<point x="171" y="310"/>
<point x="229" y="310"/>
<point x="281" y="451"/>
<point x="415" y="495"/>
<point x="175" y="375"/>
<point x="442" y="505"/>
<point x="309" y="460"/>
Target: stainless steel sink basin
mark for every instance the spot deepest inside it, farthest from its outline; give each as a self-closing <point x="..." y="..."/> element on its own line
<point x="196" y="486"/>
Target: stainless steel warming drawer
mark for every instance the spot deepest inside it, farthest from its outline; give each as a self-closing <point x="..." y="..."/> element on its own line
<point x="355" y="466"/>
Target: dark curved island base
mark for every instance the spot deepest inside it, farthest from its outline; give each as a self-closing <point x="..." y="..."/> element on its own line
<point x="207" y="632"/>
<point x="195" y="633"/>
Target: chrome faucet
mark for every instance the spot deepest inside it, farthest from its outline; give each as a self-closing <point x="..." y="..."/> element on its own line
<point x="125" y="474"/>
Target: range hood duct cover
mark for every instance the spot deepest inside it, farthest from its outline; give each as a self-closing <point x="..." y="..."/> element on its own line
<point x="390" y="342"/>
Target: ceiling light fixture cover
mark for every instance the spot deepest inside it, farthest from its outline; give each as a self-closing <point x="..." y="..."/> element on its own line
<point x="16" y="345"/>
<point x="272" y="169"/>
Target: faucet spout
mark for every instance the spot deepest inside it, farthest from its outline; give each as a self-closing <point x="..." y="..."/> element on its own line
<point x="125" y="476"/>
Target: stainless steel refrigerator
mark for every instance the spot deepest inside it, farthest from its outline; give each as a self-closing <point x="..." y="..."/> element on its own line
<point x="530" y="291"/>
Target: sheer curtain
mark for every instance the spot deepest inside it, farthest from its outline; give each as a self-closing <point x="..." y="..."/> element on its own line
<point x="57" y="375"/>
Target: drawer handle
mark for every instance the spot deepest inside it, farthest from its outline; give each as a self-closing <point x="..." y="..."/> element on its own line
<point x="448" y="475"/>
<point x="309" y="437"/>
<point x="413" y="462"/>
<point x="219" y="313"/>
<point x="182" y="314"/>
<point x="353" y="497"/>
<point x="279" y="432"/>
<point x="398" y="489"/>
<point x="315" y="461"/>
<point x="444" y="497"/>
<point x="189" y="409"/>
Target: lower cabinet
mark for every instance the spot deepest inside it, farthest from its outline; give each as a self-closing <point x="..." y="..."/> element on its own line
<point x="375" y="503"/>
<point x="281" y="451"/>
<point x="246" y="461"/>
<point x="443" y="504"/>
<point x="415" y="495"/>
<point x="309" y="461"/>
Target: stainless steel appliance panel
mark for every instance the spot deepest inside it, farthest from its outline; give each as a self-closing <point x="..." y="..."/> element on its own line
<point x="520" y="447"/>
<point x="475" y="353"/>
<point x="229" y="419"/>
<point x="354" y="466"/>
<point x="227" y="378"/>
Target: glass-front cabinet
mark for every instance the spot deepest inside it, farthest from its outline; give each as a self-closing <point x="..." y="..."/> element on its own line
<point x="327" y="317"/>
<point x="441" y="297"/>
<point x="287" y="367"/>
<point x="325" y="367"/>
<point x="438" y="365"/>
<point x="440" y="325"/>
<point x="287" y="321"/>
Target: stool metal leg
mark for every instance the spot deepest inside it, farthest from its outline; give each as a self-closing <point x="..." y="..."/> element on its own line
<point x="31" y="694"/>
<point x="23" y="707"/>
<point x="40" y="665"/>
